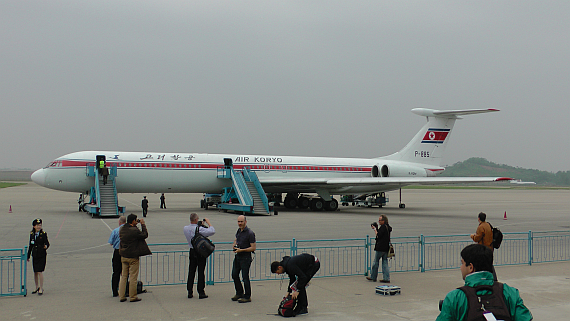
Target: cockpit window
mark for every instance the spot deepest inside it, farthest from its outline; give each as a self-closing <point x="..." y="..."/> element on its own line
<point x="52" y="164"/>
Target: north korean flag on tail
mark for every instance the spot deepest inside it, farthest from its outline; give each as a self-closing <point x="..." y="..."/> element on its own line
<point x="435" y="136"/>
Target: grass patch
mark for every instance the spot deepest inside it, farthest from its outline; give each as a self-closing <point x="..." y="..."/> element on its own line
<point x="5" y="184"/>
<point x="485" y="187"/>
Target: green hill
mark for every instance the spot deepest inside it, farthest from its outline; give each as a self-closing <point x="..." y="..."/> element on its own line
<point x="476" y="166"/>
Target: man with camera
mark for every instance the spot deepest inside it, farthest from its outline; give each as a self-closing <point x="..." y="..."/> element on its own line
<point x="244" y="245"/>
<point x="132" y="246"/>
<point x="196" y="260"/>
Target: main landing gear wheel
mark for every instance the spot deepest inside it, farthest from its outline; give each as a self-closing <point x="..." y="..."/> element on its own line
<point x="331" y="205"/>
<point x="303" y="203"/>
<point x="317" y="204"/>
<point x="402" y="205"/>
<point x="290" y="202"/>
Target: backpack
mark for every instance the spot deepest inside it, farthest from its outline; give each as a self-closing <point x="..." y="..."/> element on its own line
<point x="202" y="244"/>
<point x="494" y="302"/>
<point x="287" y="307"/>
<point x="497" y="237"/>
<point x="139" y="288"/>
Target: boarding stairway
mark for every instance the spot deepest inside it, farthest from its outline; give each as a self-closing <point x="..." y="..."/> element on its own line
<point x="103" y="197"/>
<point x="246" y="189"/>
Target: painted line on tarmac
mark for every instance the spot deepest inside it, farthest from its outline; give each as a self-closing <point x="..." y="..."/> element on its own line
<point x="126" y="200"/>
<point x="85" y="249"/>
<point x="110" y="229"/>
<point x="61" y="225"/>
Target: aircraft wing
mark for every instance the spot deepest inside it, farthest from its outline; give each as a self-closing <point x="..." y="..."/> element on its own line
<point x="366" y="184"/>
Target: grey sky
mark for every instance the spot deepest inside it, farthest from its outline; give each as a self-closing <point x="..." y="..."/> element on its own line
<point x="308" y="78"/>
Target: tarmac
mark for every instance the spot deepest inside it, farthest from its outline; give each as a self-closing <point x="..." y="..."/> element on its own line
<point x="78" y="271"/>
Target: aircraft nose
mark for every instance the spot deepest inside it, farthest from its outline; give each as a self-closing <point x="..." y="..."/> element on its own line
<point x="39" y="177"/>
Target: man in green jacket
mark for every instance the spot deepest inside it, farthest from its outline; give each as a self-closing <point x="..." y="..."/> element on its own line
<point x="476" y="267"/>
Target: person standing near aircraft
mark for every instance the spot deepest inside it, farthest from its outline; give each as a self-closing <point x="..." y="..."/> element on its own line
<point x="162" y="203"/>
<point x="144" y="205"/>
<point x="37" y="248"/>
<point x="381" y="248"/>
<point x="132" y="247"/>
<point x="244" y="245"/>
<point x="484" y="236"/>
<point x="105" y="173"/>
<point x="196" y="260"/>
<point x="115" y="242"/>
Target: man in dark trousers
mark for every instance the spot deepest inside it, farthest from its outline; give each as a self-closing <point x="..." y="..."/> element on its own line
<point x="244" y="245"/>
<point x="133" y="246"/>
<point x="301" y="269"/>
<point x="115" y="241"/>
<point x="144" y="205"/>
<point x="196" y="260"/>
<point x="162" y="203"/>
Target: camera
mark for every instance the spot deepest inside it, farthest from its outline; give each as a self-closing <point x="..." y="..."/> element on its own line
<point x="375" y="225"/>
<point x="138" y="220"/>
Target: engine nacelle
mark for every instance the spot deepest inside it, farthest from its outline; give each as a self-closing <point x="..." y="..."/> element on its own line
<point x="398" y="170"/>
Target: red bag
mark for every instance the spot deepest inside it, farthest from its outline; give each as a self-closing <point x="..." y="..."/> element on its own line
<point x="287" y="307"/>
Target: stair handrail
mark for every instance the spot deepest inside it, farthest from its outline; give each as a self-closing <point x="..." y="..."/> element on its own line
<point x="252" y="177"/>
<point x="241" y="189"/>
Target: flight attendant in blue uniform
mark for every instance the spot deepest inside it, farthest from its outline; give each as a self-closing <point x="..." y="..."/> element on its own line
<point x="38" y="250"/>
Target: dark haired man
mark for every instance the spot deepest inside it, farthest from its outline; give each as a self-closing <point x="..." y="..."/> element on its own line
<point x="132" y="246"/>
<point x="476" y="267"/>
<point x="301" y="269"/>
<point x="484" y="234"/>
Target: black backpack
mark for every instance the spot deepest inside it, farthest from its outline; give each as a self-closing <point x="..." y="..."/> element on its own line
<point x="202" y="244"/>
<point x="494" y="301"/>
<point x="497" y="236"/>
<point x="287" y="307"/>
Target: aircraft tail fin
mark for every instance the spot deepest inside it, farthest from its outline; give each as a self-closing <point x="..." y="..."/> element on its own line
<point x="428" y="145"/>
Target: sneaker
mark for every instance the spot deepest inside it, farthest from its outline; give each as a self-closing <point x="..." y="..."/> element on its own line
<point x="385" y="281"/>
<point x="202" y="296"/>
<point x="136" y="300"/>
<point x="123" y="300"/>
<point x="244" y="300"/>
<point x="370" y="279"/>
<point x="237" y="297"/>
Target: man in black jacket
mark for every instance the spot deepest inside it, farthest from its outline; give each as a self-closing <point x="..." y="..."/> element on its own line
<point x="300" y="268"/>
<point x="133" y="246"/>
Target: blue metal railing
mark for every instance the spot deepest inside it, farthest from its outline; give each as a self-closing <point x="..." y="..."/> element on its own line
<point x="13" y="270"/>
<point x="344" y="257"/>
<point x="251" y="176"/>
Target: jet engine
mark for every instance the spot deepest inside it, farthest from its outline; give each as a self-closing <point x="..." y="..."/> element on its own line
<point x="398" y="170"/>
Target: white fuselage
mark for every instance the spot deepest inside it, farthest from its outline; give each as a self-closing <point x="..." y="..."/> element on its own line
<point x="142" y="172"/>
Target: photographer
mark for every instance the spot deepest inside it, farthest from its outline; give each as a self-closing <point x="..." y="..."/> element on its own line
<point x="133" y="246"/>
<point x="196" y="260"/>
<point x="381" y="248"/>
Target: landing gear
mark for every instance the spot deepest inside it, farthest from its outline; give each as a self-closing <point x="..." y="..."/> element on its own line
<point x="303" y="202"/>
<point x="331" y="205"/>
<point x="290" y="202"/>
<point x="402" y="205"/>
<point x="317" y="204"/>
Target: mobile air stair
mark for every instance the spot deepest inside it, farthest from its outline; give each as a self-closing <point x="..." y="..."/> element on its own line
<point x="246" y="190"/>
<point x="103" y="197"/>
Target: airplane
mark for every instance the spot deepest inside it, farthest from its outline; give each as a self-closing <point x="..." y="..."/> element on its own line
<point x="418" y="163"/>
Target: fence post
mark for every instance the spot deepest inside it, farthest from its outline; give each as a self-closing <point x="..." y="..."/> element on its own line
<point x="293" y="247"/>
<point x="210" y="278"/>
<point x="422" y="258"/>
<point x="24" y="275"/>
<point x="367" y="255"/>
<point x="530" y="247"/>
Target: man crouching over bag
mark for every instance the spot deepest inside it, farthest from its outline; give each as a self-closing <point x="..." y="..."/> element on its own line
<point x="133" y="246"/>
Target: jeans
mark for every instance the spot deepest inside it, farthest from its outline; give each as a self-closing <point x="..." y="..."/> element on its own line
<point x="385" y="268"/>
<point x="242" y="263"/>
